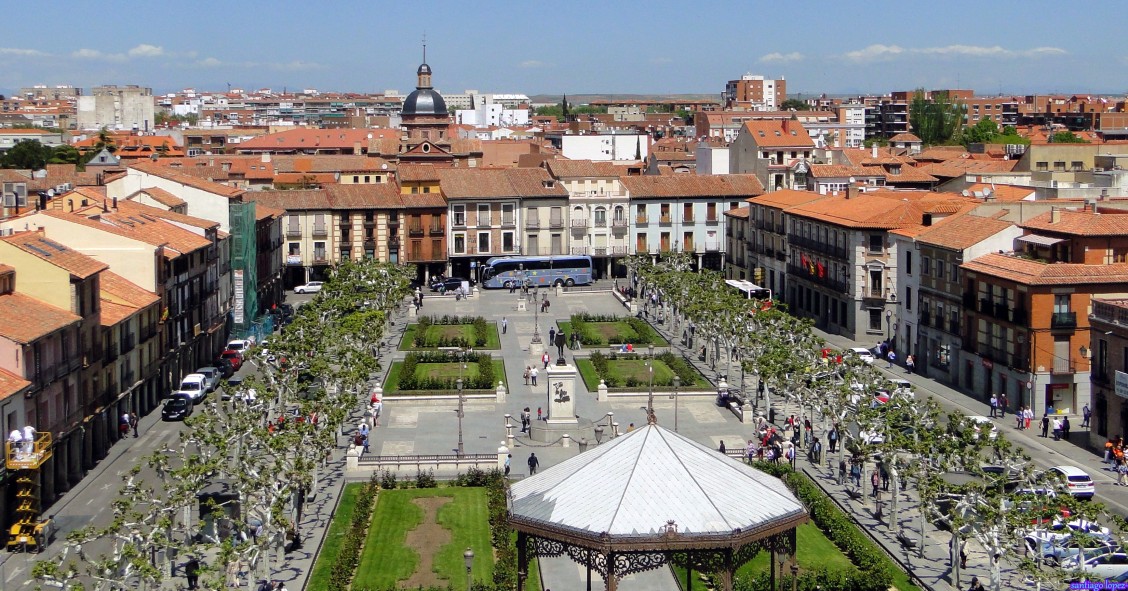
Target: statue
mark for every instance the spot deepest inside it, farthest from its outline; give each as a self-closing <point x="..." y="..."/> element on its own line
<point x="560" y="348"/>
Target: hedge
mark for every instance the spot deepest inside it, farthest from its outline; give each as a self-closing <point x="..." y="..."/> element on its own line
<point x="485" y="380"/>
<point x="344" y="567"/>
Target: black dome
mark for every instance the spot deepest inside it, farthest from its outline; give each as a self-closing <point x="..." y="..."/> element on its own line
<point x="424" y="69"/>
<point x="424" y="101"/>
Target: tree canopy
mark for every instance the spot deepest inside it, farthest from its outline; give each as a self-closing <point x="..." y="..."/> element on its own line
<point x="793" y="103"/>
<point x="1067" y="137"/>
<point x="988" y="132"/>
<point x="934" y="120"/>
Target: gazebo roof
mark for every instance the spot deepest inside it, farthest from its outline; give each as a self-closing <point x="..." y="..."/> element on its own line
<point x="634" y="485"/>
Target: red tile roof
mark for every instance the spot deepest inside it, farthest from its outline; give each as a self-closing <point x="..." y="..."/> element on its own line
<point x="960" y="231"/>
<point x="24" y="319"/>
<point x="113" y="312"/>
<point x="184" y="178"/>
<point x="1031" y="272"/>
<point x="739" y="212"/>
<point x="736" y="186"/>
<point x="563" y="168"/>
<point x="161" y="196"/>
<point x="479" y="183"/>
<point x="905" y="137"/>
<point x="120" y="289"/>
<point x="1110" y="222"/>
<point x="135" y="208"/>
<point x="778" y="134"/>
<point x="864" y="210"/>
<point x="844" y="171"/>
<point x="11" y="384"/>
<point x="375" y="196"/>
<point x="413" y="173"/>
<point x="786" y="198"/>
<point x="308" y="138"/>
<point x="66" y="258"/>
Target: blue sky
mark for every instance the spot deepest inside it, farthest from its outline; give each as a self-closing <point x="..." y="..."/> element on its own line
<point x="574" y="46"/>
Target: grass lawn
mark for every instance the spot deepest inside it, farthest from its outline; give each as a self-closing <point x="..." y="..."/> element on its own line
<point x="606" y="330"/>
<point x="331" y="547"/>
<point x="815" y="550"/>
<point x="626" y="368"/>
<point x="450" y="331"/>
<point x="436" y="370"/>
<point x="387" y="559"/>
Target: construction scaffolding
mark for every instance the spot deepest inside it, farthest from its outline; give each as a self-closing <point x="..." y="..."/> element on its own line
<point x="244" y="267"/>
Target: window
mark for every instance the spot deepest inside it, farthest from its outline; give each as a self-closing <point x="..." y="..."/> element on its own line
<point x="367" y="178"/>
<point x="1076" y="166"/>
<point x="640" y="243"/>
<point x="1061" y="303"/>
<point x="483" y="215"/>
<point x="1059" y="166"/>
<point x="507" y="214"/>
<point x="507" y="244"/>
<point x="925" y="265"/>
<point x="875" y="286"/>
<point x="908" y="298"/>
<point x="319" y="251"/>
<point x="483" y="242"/>
<point x="876" y="243"/>
<point x="908" y="262"/>
<point x="940" y="269"/>
<point x="687" y="213"/>
<point x="600" y="217"/>
<point x="557" y="243"/>
<point x="459" y="244"/>
<point x="459" y="212"/>
<point x="295" y="249"/>
<point x="875" y="319"/>
<point x="1041" y="166"/>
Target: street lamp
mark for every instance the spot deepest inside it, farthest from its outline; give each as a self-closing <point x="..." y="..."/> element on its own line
<point x="888" y="325"/>
<point x="460" y="412"/>
<point x="677" y="385"/>
<point x="468" y="558"/>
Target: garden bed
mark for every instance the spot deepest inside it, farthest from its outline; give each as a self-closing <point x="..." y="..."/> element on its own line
<point x="630" y="372"/>
<point x="430" y="372"/>
<point x="464" y="332"/>
<point x="599" y="331"/>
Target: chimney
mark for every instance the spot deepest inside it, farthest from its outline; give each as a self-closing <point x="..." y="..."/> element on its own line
<point x="211" y="161"/>
<point x="115" y="203"/>
<point x="266" y="157"/>
<point x="356" y="148"/>
<point x="1055" y="215"/>
<point x="873" y="151"/>
<point x="851" y="191"/>
<point x="785" y="125"/>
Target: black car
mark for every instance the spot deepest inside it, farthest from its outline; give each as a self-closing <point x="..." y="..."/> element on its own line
<point x="177" y="408"/>
<point x="450" y="283"/>
<point x="226" y="369"/>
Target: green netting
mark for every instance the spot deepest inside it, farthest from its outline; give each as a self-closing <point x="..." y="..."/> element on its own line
<point x="244" y="266"/>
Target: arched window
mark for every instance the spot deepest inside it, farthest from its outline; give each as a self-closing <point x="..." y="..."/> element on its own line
<point x="600" y="217"/>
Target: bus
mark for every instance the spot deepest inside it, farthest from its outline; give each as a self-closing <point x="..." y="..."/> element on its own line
<point x="749" y="289"/>
<point x="536" y="270"/>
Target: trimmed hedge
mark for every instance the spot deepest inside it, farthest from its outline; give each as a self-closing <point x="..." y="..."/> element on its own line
<point x="874" y="569"/>
<point x="344" y="567"/>
<point x="485" y="380"/>
<point x="678" y="365"/>
<point x="481" y="331"/>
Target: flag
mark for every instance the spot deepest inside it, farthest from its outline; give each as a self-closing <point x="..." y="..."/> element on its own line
<point x="822" y="270"/>
<point x="803" y="259"/>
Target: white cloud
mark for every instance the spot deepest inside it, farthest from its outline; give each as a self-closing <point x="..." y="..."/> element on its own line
<point x="781" y="58"/>
<point x="208" y="62"/>
<point x="878" y="52"/>
<point x="296" y="65"/>
<point x="22" y="52"/>
<point x="94" y="54"/>
<point x="146" y="50"/>
<point x="532" y="64"/>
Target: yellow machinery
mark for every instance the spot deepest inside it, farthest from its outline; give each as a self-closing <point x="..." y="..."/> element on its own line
<point x="29" y="531"/>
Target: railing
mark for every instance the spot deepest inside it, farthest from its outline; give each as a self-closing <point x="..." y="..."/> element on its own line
<point x="817" y="246"/>
<point x="19" y="457"/>
<point x="415" y="231"/>
<point x="925" y="318"/>
<point x="600" y="251"/>
<point x="800" y="272"/>
<point x="127" y="343"/>
<point x="969" y="300"/>
<point x="601" y="223"/>
<point x="1062" y="366"/>
<point x="1110" y="312"/>
<point x="618" y="250"/>
<point x="781" y="256"/>
<point x="436" y="231"/>
<point x="642" y="220"/>
<point x="293" y="232"/>
<point x="712" y="246"/>
<point x="619" y="223"/>
<point x="1065" y="320"/>
<point x="579" y="250"/>
<point x="579" y="222"/>
<point x="532" y="223"/>
<point x="369" y="223"/>
<point x="688" y="219"/>
<point x="320" y="230"/>
<point x="665" y="220"/>
<point x="953" y="326"/>
<point x="556" y="223"/>
<point x="712" y="220"/>
<point x="344" y="222"/>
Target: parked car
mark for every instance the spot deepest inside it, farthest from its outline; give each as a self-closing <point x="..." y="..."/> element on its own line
<point x="864" y="354"/>
<point x="982" y="424"/>
<point x="235" y="357"/>
<point x="226" y="369"/>
<point x="1098" y="564"/>
<point x="311" y="287"/>
<point x="239" y="345"/>
<point x="1077" y="482"/>
<point x="194" y="386"/>
<point x="213" y="376"/>
<point x="450" y="284"/>
<point x="177" y="408"/>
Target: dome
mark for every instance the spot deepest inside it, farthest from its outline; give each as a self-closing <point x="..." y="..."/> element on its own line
<point x="424" y="69"/>
<point x="424" y="101"/>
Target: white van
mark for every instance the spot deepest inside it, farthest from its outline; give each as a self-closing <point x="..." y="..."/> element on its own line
<point x="194" y="386"/>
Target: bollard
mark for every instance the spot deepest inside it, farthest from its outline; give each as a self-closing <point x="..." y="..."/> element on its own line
<point x="614" y="429"/>
<point x="601" y="391"/>
<point x="502" y="453"/>
<point x="508" y="427"/>
<point x="565" y="440"/>
<point x="501" y="392"/>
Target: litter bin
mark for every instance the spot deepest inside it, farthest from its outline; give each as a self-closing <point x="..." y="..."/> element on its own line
<point x="771" y="415"/>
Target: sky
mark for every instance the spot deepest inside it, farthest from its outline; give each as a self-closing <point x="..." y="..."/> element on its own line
<point x="573" y="47"/>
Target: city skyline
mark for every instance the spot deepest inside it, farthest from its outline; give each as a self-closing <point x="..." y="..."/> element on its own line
<point x="581" y="48"/>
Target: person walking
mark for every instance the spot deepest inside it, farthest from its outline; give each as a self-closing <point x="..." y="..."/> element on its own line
<point x="504" y="324"/>
<point x="721" y="448"/>
<point x="994" y="403"/>
<point x="533" y="373"/>
<point x="509" y="457"/>
<point x="841" y="471"/>
<point x="1003" y="405"/>
<point x="134" y="421"/>
<point x="192" y="571"/>
<point x="1019" y="417"/>
<point x="545" y="358"/>
<point x="1121" y="472"/>
<point x="1045" y="424"/>
<point x="1027" y="416"/>
<point x="910" y="364"/>
<point x="552" y="335"/>
<point x="875" y="480"/>
<point x="1086" y="413"/>
<point x="526" y="419"/>
<point x="890" y="359"/>
<point x="534" y="463"/>
<point x="1057" y="429"/>
<point x="832" y="437"/>
<point x="527" y="368"/>
<point x="1065" y="427"/>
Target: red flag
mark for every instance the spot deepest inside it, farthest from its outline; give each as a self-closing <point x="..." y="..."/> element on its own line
<point x="839" y="359"/>
<point x="822" y="270"/>
<point x="803" y="259"/>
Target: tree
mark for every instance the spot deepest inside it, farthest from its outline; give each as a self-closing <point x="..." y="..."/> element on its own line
<point x="66" y="154"/>
<point x="934" y="120"/>
<point x="1067" y="137"/>
<point x="29" y="154"/>
<point x="982" y="132"/>
<point x="794" y="104"/>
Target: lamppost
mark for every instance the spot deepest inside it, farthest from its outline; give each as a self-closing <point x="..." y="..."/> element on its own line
<point x="677" y="385"/>
<point x="888" y="325"/>
<point x="468" y="558"/>
<point x="650" y="368"/>
<point x="460" y="411"/>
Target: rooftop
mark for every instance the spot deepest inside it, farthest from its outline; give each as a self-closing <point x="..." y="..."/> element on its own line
<point x="24" y="319"/>
<point x="68" y="259"/>
<point x="1032" y="272"/>
<point x="739" y="186"/>
<point x="1108" y="222"/>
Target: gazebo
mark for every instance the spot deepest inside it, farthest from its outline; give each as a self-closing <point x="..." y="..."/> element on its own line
<point x="653" y="497"/>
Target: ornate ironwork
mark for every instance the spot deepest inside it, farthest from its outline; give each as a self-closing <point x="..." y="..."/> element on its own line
<point x="545" y="547"/>
<point x="703" y="561"/>
<point x="636" y="562"/>
<point x="586" y="556"/>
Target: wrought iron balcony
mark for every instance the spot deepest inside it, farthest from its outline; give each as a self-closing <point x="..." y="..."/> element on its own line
<point x="1063" y="320"/>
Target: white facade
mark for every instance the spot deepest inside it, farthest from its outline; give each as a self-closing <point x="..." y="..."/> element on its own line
<point x="606" y="146"/>
<point x="117" y="107"/>
<point x="662" y="225"/>
<point x="494" y="114"/>
<point x="712" y="159"/>
<point x="201" y="203"/>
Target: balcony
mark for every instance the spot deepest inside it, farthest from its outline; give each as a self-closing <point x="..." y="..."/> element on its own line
<point x="600" y="251"/>
<point x="835" y="285"/>
<point x="830" y="250"/>
<point x="641" y="220"/>
<point x="688" y="219"/>
<point x="1063" y="367"/>
<point x="665" y="220"/>
<point x="345" y="222"/>
<point x="579" y="250"/>
<point x="556" y="223"/>
<point x="1063" y="320"/>
<point x="436" y="231"/>
<point x="601" y="223"/>
<point x="293" y="232"/>
<point x="618" y="250"/>
<point x="712" y="221"/>
<point x="320" y="231"/>
<point x="619" y="224"/>
<point x="415" y="231"/>
<point x="532" y="223"/>
<point x="579" y="223"/>
<point x="369" y="222"/>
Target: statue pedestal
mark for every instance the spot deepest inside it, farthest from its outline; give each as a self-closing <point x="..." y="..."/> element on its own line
<point x="560" y="394"/>
<point x="521" y="305"/>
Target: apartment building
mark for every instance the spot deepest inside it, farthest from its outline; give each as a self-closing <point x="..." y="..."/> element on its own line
<point x="775" y="151"/>
<point x="131" y="353"/>
<point x="426" y="209"/>
<point x="597" y="211"/>
<point x="754" y="93"/>
<point x="766" y="239"/>
<point x="1108" y="330"/>
<point x="737" y="251"/>
<point x="685" y="213"/>
<point x="117" y="107"/>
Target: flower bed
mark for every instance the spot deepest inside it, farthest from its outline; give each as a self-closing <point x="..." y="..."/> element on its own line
<point x="464" y="332"/>
<point x="629" y="371"/>
<point x="600" y="330"/>
<point x="422" y="372"/>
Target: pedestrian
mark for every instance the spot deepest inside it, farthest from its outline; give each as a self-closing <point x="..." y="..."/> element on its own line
<point x="884" y="477"/>
<point x="875" y="480"/>
<point x="365" y="441"/>
<point x="722" y="447"/>
<point x="377" y="407"/>
<point x="540" y="414"/>
<point x="512" y="288"/>
<point x="1027" y="416"/>
<point x="545" y="359"/>
<point x="975" y="585"/>
<point x="856" y="474"/>
<point x="134" y="420"/>
<point x="630" y="427"/>
<point x="994" y="403"/>
<point x="841" y="471"/>
<point x="527" y="368"/>
<point x="750" y="451"/>
<point x="963" y="553"/>
<point x="890" y="359"/>
<point x="1121" y="472"/>
<point x="1086" y="413"/>
<point x="1003" y="405"/>
<point x="358" y="440"/>
<point x="504" y="324"/>
<point x="533" y="374"/>
<point x="816" y="451"/>
<point x="1045" y="424"/>
<point x="1057" y="429"/>
<point x="533" y="461"/>
<point x="420" y="298"/>
<point x="1018" y="417"/>
<point x="124" y="426"/>
<point x="832" y="437"/>
<point x="509" y="457"/>
<point x="807" y="429"/>
<point x="910" y="364"/>
<point x="192" y="571"/>
<point x="526" y="418"/>
<point x="552" y="334"/>
<point x="1065" y="427"/>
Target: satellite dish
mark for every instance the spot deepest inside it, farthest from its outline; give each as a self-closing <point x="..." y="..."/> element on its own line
<point x="50" y="192"/>
<point x="966" y="193"/>
<point x="384" y="166"/>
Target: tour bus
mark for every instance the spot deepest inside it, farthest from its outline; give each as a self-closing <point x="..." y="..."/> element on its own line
<point x="749" y="289"/>
<point x="536" y="270"/>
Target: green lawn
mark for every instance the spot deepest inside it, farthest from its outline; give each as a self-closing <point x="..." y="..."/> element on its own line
<point x="387" y="560"/>
<point x="331" y="547"/>
<point x="625" y="368"/>
<point x="450" y="331"/>
<point x="606" y="330"/>
<point x="815" y="550"/>
<point x="436" y="370"/>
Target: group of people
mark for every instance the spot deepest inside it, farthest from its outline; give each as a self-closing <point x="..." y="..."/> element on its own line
<point x="1114" y="455"/>
<point x="998" y="405"/>
<point x="1060" y="426"/>
<point x="129" y="420"/>
<point x="531" y="372"/>
<point x="22" y="442"/>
